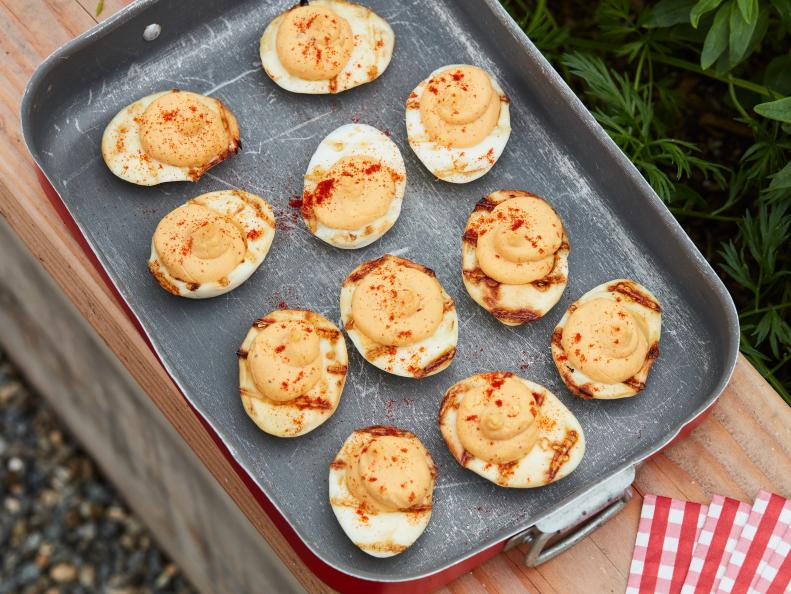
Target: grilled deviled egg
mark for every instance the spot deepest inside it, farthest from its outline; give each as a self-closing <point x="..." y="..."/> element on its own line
<point x="326" y="46"/>
<point x="354" y="187"/>
<point x="514" y="256"/>
<point x="399" y="317"/>
<point x="458" y="122"/>
<point x="169" y="136"/>
<point x="381" y="489"/>
<point x="510" y="431"/>
<point x="292" y="367"/>
<point x="211" y="244"/>
<point x="607" y="341"/>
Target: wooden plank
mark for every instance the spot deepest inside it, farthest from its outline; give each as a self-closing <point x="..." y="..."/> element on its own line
<point x="742" y="447"/>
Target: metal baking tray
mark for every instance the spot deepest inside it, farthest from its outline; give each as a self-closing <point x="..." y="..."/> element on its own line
<point x="617" y="227"/>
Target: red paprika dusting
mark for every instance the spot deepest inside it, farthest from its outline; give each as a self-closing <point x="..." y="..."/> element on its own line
<point x="280" y="348"/>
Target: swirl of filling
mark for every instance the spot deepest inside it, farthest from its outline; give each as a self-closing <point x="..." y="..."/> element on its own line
<point x="498" y="420"/>
<point x="285" y="360"/>
<point x="605" y="341"/>
<point x="517" y="242"/>
<point x="181" y="129"/>
<point x="390" y="473"/>
<point x="198" y="245"/>
<point x="397" y="305"/>
<point x="459" y="106"/>
<point x="356" y="191"/>
<point x="314" y="43"/>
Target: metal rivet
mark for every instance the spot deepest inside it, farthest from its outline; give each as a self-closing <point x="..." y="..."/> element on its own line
<point x="151" y="32"/>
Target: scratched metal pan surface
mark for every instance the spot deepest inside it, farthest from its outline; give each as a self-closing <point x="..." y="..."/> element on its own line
<point x="616" y="224"/>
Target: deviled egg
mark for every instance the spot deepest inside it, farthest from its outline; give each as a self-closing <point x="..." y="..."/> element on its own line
<point x="607" y="341"/>
<point x="354" y="187"/>
<point x="211" y="244"/>
<point x="514" y="256"/>
<point x="292" y="368"/>
<point x="326" y="46"/>
<point x="399" y="317"/>
<point x="169" y="136"/>
<point x="511" y="431"/>
<point x="458" y="122"/>
<point x="381" y="489"/>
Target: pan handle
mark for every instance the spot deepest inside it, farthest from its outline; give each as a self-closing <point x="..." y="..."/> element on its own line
<point x="575" y="520"/>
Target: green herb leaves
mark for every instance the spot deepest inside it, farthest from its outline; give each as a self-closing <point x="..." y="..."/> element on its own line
<point x="779" y="110"/>
<point x="719" y="156"/>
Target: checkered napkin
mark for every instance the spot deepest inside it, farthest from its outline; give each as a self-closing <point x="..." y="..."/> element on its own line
<point x="721" y="529"/>
<point x="728" y="547"/>
<point x="665" y="538"/>
<point x="760" y="538"/>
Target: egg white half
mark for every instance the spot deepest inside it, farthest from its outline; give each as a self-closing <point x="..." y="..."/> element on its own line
<point x="124" y="155"/>
<point x="253" y="216"/>
<point x="557" y="453"/>
<point x="373" y="47"/>
<point x="378" y="533"/>
<point x="645" y="307"/>
<point x="451" y="164"/>
<point x="302" y="415"/>
<point x="348" y="141"/>
<point x="512" y="305"/>
<point x="422" y="359"/>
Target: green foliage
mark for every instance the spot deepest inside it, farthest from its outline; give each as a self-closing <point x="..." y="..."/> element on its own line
<point x="633" y="65"/>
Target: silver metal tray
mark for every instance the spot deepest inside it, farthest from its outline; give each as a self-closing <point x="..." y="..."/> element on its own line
<point x="616" y="224"/>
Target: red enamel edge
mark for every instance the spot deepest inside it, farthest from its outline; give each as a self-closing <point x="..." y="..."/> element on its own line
<point x="329" y="575"/>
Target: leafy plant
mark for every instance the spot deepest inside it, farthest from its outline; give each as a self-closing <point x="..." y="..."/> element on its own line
<point x="720" y="158"/>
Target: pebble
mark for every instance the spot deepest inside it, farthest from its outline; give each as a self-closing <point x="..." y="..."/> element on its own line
<point x="63" y="572"/>
<point x="63" y="528"/>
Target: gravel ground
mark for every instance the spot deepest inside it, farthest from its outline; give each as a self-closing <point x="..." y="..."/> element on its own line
<point x="63" y="528"/>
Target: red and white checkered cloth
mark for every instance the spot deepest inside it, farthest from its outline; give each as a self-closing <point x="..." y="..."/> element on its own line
<point x="768" y="523"/>
<point x="665" y="538"/>
<point x="728" y="547"/>
<point x="717" y="539"/>
<point x="774" y="574"/>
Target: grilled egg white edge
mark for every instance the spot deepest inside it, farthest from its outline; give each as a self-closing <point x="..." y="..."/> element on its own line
<point x="122" y="149"/>
<point x="358" y="140"/>
<point x="538" y="300"/>
<point x="399" y="528"/>
<point x="531" y="470"/>
<point x="440" y="346"/>
<point x="257" y="221"/>
<point x="582" y="385"/>
<point x="281" y="419"/>
<point x="123" y="132"/>
<point x="451" y="164"/>
<point x="368" y="29"/>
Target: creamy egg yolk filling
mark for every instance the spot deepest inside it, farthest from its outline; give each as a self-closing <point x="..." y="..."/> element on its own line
<point x="605" y="341"/>
<point x="517" y="242"/>
<point x="285" y="360"/>
<point x="397" y="305"/>
<point x="498" y="421"/>
<point x="314" y="43"/>
<point x="180" y="129"/>
<point x="459" y="107"/>
<point x="389" y="473"/>
<point x="356" y="191"/>
<point x="198" y="245"/>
